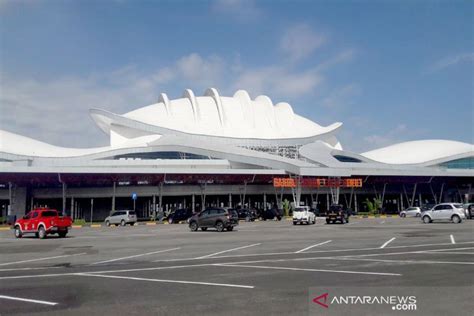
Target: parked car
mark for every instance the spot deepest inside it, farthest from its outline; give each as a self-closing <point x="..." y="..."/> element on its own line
<point x="469" y="210"/>
<point x="270" y="214"/>
<point x="246" y="214"/>
<point x="337" y="213"/>
<point x="444" y="212"/>
<point x="179" y="215"/>
<point x="214" y="217"/>
<point x="42" y="222"/>
<point x="303" y="215"/>
<point x="121" y="218"/>
<point x="411" y="212"/>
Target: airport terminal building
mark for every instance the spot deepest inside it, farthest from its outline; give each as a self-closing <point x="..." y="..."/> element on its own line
<point x="197" y="151"/>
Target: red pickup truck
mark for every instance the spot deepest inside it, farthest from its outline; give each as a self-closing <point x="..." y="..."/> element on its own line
<point x="43" y="222"/>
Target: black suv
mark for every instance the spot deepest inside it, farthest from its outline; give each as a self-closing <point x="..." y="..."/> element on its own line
<point x="337" y="213"/>
<point x="179" y="215"/>
<point x="216" y="217"/>
<point x="248" y="215"/>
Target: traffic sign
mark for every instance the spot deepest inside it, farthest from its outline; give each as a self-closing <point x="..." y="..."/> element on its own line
<point x="134" y="196"/>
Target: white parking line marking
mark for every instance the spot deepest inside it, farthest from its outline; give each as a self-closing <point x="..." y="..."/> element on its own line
<point x="27" y="300"/>
<point x="316" y="251"/>
<point x="135" y="256"/>
<point x="398" y="261"/>
<point x="309" y="270"/>
<point x="165" y="281"/>
<point x="450" y="253"/>
<point x="242" y="262"/>
<point x="27" y="269"/>
<point x="452" y="239"/>
<point x="307" y="248"/>
<point x="41" y="259"/>
<point x="387" y="242"/>
<point x="218" y="253"/>
<point x="451" y="249"/>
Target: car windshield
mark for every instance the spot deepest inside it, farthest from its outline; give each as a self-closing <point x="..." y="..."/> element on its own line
<point x="132" y="213"/>
<point x="300" y="209"/>
<point x="49" y="214"/>
<point x="457" y="205"/>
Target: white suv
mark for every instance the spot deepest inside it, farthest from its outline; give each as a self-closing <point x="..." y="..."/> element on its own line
<point x="303" y="215"/>
<point x="444" y="212"/>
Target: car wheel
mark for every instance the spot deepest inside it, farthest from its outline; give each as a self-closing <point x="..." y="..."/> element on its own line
<point x="122" y="222"/>
<point x="41" y="232"/>
<point x="230" y="228"/>
<point x="194" y="226"/>
<point x="18" y="233"/>
<point x="62" y="234"/>
<point x="426" y="220"/>
<point x="170" y="220"/>
<point x="107" y="223"/>
<point x="417" y="215"/>
<point x="131" y="224"/>
<point x="203" y="229"/>
<point x="220" y="226"/>
<point x="116" y="225"/>
<point x="403" y="215"/>
<point x="328" y="221"/>
<point x="456" y="219"/>
<point x="347" y="220"/>
<point x="294" y="223"/>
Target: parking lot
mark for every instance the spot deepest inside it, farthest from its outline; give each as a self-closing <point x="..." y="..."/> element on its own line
<point x="268" y="267"/>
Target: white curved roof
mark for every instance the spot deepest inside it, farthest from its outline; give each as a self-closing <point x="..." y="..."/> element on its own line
<point x="236" y="117"/>
<point x="24" y="146"/>
<point x="420" y="151"/>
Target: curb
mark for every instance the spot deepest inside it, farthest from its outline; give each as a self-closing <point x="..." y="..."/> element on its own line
<point x="5" y="228"/>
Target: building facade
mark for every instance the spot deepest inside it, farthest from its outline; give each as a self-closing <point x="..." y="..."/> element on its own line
<point x="196" y="151"/>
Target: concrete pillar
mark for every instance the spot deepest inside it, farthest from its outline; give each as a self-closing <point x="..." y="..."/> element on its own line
<point x="230" y="200"/>
<point x="17" y="198"/>
<point x="72" y="208"/>
<point x="113" y="196"/>
<point x="327" y="201"/>
<point x="64" y="198"/>
<point x="10" y="199"/>
<point x="401" y="202"/>
<point x="264" y="201"/>
<point x="419" y="199"/>
<point x="154" y="206"/>
<point x="193" y="203"/>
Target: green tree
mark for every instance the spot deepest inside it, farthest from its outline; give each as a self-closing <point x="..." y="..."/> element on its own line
<point x="286" y="207"/>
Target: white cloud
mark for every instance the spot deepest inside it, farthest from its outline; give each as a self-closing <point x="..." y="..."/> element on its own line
<point x="56" y="111"/>
<point x="243" y="10"/>
<point x="393" y="136"/>
<point x="278" y="81"/>
<point x="341" y="96"/>
<point x="451" y="61"/>
<point x="300" y="41"/>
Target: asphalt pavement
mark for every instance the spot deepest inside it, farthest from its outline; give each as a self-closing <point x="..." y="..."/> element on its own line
<point x="376" y="266"/>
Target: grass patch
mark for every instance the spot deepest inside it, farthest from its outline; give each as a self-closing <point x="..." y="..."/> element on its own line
<point x="79" y="222"/>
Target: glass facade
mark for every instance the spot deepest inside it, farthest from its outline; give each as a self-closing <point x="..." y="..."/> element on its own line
<point x="464" y="163"/>
<point x="346" y="158"/>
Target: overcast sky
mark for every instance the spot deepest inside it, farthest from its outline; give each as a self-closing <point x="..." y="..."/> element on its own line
<point x="391" y="71"/>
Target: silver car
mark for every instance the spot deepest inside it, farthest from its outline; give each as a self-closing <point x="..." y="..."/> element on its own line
<point x="121" y="218"/>
<point x="453" y="212"/>
<point x="411" y="211"/>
